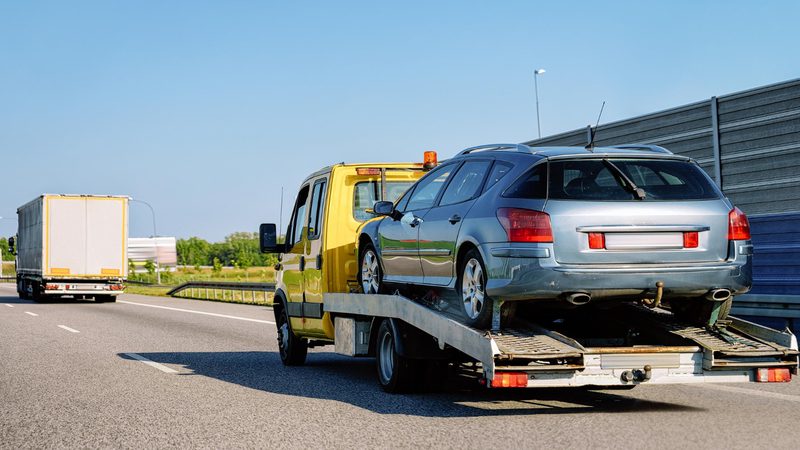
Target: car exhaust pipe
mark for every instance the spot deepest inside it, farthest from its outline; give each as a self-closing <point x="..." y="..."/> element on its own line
<point x="578" y="298"/>
<point x="718" y="295"/>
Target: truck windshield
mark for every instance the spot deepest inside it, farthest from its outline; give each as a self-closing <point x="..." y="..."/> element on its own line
<point x="366" y="193"/>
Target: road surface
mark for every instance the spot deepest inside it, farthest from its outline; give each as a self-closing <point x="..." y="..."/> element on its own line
<point x="158" y="372"/>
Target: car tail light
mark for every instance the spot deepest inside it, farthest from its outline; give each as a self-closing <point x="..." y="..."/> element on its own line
<point x="738" y="226"/>
<point x="509" y="380"/>
<point x="691" y="239"/>
<point x="525" y="225"/>
<point x="773" y="375"/>
<point x="597" y="241"/>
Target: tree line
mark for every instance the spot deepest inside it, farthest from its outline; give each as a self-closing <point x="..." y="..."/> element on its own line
<point x="240" y="249"/>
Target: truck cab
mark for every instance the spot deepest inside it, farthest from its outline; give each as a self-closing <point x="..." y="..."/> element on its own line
<point x="318" y="253"/>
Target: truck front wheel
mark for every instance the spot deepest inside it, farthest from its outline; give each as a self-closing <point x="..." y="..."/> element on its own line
<point x="293" y="349"/>
<point x="395" y="371"/>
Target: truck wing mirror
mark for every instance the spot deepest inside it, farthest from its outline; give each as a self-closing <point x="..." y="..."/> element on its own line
<point x="268" y="239"/>
<point x="11" y="245"/>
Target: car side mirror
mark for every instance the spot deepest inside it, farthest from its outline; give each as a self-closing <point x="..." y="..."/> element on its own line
<point x="383" y="208"/>
<point x="268" y="239"/>
<point x="11" y="245"/>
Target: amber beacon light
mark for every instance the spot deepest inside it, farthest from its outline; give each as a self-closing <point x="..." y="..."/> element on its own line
<point x="429" y="160"/>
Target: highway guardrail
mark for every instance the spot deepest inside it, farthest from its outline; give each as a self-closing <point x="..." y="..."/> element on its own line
<point x="225" y="290"/>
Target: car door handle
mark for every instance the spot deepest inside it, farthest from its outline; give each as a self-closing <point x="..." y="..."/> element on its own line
<point x="454" y="219"/>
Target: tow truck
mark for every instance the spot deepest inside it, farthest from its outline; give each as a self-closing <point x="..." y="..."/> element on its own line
<point x="319" y="302"/>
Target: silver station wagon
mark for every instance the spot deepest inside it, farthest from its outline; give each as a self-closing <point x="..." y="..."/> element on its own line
<point x="505" y="223"/>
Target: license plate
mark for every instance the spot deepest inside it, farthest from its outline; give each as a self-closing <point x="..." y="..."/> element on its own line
<point x="642" y="241"/>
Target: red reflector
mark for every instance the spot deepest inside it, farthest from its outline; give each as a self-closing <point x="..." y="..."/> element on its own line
<point x="774" y="375"/>
<point x="368" y="171"/>
<point x="691" y="239"/>
<point x="525" y="225"/>
<point x="738" y="225"/>
<point x="509" y="380"/>
<point x="597" y="241"/>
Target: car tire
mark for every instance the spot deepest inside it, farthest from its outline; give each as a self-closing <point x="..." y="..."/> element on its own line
<point x="395" y="372"/>
<point x="476" y="305"/>
<point x="293" y="350"/>
<point x="370" y="276"/>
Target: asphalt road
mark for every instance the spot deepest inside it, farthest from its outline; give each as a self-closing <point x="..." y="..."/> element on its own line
<point x="127" y="374"/>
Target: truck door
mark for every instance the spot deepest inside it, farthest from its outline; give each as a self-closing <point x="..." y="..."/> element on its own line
<point x="438" y="233"/>
<point x="293" y="261"/>
<point x="312" y="270"/>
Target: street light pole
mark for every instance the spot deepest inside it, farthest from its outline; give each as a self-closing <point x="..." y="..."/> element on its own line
<point x="155" y="236"/>
<point x="536" y="74"/>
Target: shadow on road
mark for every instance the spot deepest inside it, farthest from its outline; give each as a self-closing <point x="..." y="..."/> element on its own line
<point x="332" y="377"/>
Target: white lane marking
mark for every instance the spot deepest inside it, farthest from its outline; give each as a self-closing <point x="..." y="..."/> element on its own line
<point x="738" y="390"/>
<point x="31" y="314"/>
<point x="71" y="330"/>
<point x="158" y="366"/>
<point x="197" y="312"/>
<point x="10" y="306"/>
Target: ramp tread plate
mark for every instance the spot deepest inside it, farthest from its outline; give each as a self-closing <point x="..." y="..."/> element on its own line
<point x="522" y="343"/>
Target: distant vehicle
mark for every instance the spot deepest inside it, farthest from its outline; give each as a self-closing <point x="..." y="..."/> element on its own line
<point x="506" y="222"/>
<point x="72" y="245"/>
<point x="162" y="251"/>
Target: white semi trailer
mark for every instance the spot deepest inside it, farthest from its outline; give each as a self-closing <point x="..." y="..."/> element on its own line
<point x="72" y="245"/>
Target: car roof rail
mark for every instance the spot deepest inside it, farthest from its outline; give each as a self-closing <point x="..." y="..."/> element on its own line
<point x="489" y="147"/>
<point x="648" y="147"/>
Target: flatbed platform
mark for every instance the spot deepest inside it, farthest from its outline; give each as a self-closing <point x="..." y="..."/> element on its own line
<point x="673" y="351"/>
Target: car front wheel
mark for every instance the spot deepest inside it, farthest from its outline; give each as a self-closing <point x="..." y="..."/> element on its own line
<point x="369" y="275"/>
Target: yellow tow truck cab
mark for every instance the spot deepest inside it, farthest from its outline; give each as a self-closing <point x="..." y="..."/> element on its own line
<point x="319" y="250"/>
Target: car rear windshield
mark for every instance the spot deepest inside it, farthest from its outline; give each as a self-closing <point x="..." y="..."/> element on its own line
<point x="616" y="179"/>
<point x="366" y="193"/>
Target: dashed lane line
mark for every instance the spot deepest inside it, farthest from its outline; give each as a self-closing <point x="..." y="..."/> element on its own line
<point x="10" y="306"/>
<point x="71" y="330"/>
<point x="197" y="312"/>
<point x="31" y="314"/>
<point x="150" y="363"/>
<point x="746" y="391"/>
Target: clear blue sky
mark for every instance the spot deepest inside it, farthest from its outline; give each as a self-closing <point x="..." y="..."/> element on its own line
<point x="205" y="109"/>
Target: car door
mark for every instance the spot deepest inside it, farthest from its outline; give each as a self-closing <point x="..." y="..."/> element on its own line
<point x="293" y="261"/>
<point x="312" y="259"/>
<point x="438" y="232"/>
<point x="398" y="238"/>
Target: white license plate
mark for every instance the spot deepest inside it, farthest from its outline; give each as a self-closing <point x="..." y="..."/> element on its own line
<point x="643" y="241"/>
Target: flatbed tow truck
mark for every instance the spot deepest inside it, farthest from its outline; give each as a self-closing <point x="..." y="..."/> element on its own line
<point x="320" y="304"/>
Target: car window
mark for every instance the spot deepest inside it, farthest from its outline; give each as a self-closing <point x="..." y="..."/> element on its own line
<point x="466" y="183"/>
<point x="298" y="218"/>
<point x="660" y="179"/>
<point x="532" y="185"/>
<point x="366" y="193"/>
<point x="499" y="170"/>
<point x="428" y="188"/>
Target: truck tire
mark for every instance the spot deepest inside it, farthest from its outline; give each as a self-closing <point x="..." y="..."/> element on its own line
<point x="476" y="306"/>
<point x="293" y="350"/>
<point x="395" y="372"/>
<point x="370" y="277"/>
<point x="105" y="298"/>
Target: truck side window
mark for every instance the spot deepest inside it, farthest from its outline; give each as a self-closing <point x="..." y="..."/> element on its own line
<point x="317" y="209"/>
<point x="298" y="218"/>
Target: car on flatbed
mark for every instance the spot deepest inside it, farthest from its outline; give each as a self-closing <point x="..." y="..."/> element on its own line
<point x="504" y="223"/>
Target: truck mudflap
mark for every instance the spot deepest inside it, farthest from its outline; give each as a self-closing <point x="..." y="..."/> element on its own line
<point x="528" y="355"/>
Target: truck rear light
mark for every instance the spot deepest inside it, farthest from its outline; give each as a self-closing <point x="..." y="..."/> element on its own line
<point x="773" y="375"/>
<point x="597" y="241"/>
<point x="738" y="225"/>
<point x="525" y="225"/>
<point x="51" y="287"/>
<point x="509" y="380"/>
<point x="116" y="287"/>
<point x="691" y="239"/>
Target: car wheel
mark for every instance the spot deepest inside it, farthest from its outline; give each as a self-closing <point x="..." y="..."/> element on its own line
<point x="471" y="288"/>
<point x="395" y="372"/>
<point x="369" y="275"/>
<point x="293" y="350"/>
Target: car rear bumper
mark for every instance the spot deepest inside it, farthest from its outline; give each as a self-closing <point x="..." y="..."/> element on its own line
<point x="533" y="274"/>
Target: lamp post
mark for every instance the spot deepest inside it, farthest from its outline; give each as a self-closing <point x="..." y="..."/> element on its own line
<point x="155" y="236"/>
<point x="536" y="74"/>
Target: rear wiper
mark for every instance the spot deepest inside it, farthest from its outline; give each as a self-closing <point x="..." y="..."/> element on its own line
<point x="630" y="185"/>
